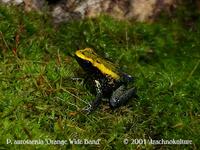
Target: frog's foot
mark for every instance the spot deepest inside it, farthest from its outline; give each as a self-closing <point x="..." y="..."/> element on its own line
<point x="93" y="106"/>
<point x="121" y="96"/>
<point x="87" y="110"/>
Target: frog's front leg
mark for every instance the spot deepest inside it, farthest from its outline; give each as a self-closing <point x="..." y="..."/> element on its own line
<point x="94" y="104"/>
<point x="121" y="96"/>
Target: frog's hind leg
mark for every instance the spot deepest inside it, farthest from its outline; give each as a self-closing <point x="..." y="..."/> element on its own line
<point x="121" y="96"/>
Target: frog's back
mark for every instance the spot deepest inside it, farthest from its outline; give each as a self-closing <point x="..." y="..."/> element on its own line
<point x="106" y="67"/>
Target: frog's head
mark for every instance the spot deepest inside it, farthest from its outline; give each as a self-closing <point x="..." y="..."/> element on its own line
<point x="85" y="58"/>
<point x="93" y="63"/>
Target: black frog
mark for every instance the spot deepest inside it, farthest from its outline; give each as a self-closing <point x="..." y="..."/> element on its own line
<point x="109" y="82"/>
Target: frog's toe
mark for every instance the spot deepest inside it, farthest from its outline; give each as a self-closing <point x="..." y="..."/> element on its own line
<point x="87" y="110"/>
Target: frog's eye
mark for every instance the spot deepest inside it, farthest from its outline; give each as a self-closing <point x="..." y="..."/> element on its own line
<point x="98" y="62"/>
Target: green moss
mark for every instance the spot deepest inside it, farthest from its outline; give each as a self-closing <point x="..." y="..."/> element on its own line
<point x="40" y="100"/>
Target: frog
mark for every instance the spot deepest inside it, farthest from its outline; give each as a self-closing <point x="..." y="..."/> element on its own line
<point x="109" y="81"/>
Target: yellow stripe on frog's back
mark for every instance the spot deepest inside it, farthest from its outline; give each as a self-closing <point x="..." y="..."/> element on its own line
<point x="96" y="62"/>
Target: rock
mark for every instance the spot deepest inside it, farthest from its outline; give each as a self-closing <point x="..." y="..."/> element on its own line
<point x="66" y="10"/>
